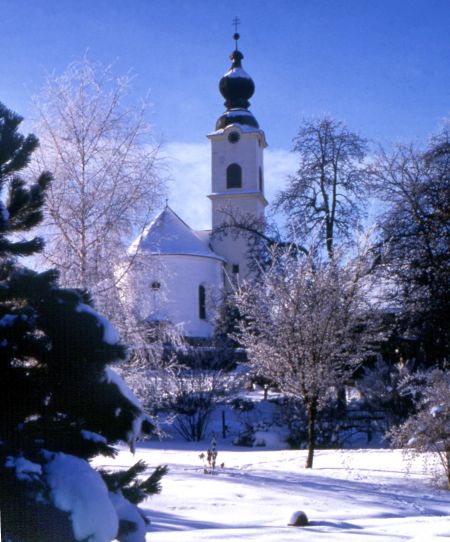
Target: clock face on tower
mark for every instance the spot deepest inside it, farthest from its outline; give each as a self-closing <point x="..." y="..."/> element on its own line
<point x="234" y="137"/>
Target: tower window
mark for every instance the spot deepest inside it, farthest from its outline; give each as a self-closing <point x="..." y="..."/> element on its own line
<point x="202" y="302"/>
<point x="155" y="285"/>
<point x="234" y="137"/>
<point x="235" y="269"/>
<point x="234" y="176"/>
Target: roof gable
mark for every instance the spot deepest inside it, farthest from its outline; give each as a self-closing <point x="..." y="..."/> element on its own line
<point x="169" y="234"/>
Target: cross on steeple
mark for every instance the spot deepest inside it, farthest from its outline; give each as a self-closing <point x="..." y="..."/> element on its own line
<point x="236" y="22"/>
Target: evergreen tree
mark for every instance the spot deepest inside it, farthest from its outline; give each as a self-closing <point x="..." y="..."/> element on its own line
<point x="60" y="403"/>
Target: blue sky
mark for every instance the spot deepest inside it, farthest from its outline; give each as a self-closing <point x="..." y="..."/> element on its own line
<point x="380" y="65"/>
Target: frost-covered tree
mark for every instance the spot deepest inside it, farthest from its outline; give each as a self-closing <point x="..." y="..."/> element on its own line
<point x="61" y="404"/>
<point x="324" y="198"/>
<point x="306" y="327"/>
<point x="428" y="429"/>
<point x="414" y="184"/>
<point x="381" y="389"/>
<point x="99" y="146"/>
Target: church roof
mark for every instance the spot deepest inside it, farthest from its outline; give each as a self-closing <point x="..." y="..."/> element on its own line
<point x="169" y="234"/>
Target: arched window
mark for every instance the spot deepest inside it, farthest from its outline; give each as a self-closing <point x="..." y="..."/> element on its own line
<point x="234" y="176"/>
<point x="202" y="302"/>
<point x="261" y="183"/>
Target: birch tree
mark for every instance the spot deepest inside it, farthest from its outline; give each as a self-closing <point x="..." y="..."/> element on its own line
<point x="306" y="327"/>
<point x="107" y="183"/>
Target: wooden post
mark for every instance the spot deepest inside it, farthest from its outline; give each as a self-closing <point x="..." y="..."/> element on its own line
<point x="224" y="425"/>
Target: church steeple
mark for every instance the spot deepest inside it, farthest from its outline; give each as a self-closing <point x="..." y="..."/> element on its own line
<point x="237" y="87"/>
<point x="237" y="176"/>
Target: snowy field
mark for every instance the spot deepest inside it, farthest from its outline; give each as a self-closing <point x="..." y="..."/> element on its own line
<point x="349" y="495"/>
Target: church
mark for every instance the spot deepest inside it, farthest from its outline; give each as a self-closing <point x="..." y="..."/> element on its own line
<point x="183" y="271"/>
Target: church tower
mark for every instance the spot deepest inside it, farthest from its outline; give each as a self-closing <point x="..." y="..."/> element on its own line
<point x="237" y="172"/>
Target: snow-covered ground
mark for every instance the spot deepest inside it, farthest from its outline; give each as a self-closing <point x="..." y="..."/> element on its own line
<point x="349" y="495"/>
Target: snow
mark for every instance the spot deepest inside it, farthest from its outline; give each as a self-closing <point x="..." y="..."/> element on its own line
<point x="94" y="437"/>
<point x="8" y="320"/>
<point x="129" y="512"/>
<point x="78" y="489"/>
<point x="242" y="127"/>
<point x="349" y="495"/>
<point x="4" y="213"/>
<point x="237" y="72"/>
<point x="25" y="469"/>
<point x="436" y="410"/>
<point x="110" y="334"/>
<point x="113" y="377"/>
<point x="269" y="439"/>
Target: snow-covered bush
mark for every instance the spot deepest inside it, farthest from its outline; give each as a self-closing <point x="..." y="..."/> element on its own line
<point x="195" y="394"/>
<point x="245" y="437"/>
<point x="428" y="429"/>
<point x="242" y="405"/>
<point x="193" y="414"/>
<point x="381" y="389"/>
<point x="258" y="423"/>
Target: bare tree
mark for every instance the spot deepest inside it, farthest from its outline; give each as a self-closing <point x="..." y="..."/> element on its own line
<point x="414" y="239"/>
<point x="306" y="327"/>
<point x="324" y="198"/>
<point x="105" y="164"/>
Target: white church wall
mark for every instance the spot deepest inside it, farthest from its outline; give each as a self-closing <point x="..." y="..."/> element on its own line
<point x="136" y="288"/>
<point x="177" y="299"/>
<point x="235" y="250"/>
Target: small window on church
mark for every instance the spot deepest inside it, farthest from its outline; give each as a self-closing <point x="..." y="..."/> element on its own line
<point x="235" y="269"/>
<point x="155" y="285"/>
<point x="202" y="302"/>
<point x="234" y="176"/>
<point x="261" y="183"/>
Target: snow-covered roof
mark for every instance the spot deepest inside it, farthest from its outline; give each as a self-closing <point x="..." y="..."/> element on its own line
<point x="169" y="234"/>
<point x="203" y="235"/>
<point x="237" y="72"/>
<point x="232" y="116"/>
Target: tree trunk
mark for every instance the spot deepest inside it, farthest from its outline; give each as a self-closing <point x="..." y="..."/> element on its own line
<point x="448" y="468"/>
<point x="312" y="414"/>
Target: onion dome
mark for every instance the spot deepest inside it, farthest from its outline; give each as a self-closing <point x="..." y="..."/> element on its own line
<point x="236" y="86"/>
